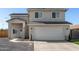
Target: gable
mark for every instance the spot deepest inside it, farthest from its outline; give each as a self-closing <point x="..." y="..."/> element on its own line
<point x="15" y="20"/>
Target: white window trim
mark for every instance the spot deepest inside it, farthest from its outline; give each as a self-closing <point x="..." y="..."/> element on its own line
<point x="39" y="14"/>
<point x="57" y="15"/>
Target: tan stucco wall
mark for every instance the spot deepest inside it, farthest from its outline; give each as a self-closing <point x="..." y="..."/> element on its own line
<point x="9" y="30"/>
<point x="46" y="15"/>
<point x="11" y="27"/>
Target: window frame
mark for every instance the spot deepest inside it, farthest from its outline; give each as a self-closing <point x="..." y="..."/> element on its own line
<point x="55" y="15"/>
<point x="14" y="31"/>
<point x="36" y="14"/>
<point x="39" y="14"/>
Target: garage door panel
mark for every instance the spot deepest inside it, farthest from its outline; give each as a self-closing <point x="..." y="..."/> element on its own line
<point x="47" y="33"/>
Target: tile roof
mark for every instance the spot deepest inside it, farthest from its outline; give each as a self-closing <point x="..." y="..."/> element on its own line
<point x="53" y="22"/>
<point x="19" y="14"/>
<point x="74" y="26"/>
<point x="16" y="18"/>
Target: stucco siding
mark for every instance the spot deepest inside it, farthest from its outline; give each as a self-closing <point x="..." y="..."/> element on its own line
<point x="17" y="25"/>
<point x="46" y="16"/>
<point x="9" y="30"/>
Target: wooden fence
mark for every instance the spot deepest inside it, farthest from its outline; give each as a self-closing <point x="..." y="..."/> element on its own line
<point x="3" y="33"/>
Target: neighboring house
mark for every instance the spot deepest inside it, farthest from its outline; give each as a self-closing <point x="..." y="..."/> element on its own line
<point x="40" y="24"/>
<point x="75" y="31"/>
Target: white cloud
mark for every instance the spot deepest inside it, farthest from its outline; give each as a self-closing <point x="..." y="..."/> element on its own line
<point x="2" y="21"/>
<point x="3" y="24"/>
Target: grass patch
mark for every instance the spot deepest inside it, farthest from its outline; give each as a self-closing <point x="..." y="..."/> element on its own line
<point x="76" y="41"/>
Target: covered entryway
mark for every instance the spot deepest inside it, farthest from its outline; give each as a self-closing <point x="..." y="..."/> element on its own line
<point x="48" y="33"/>
<point x="17" y="30"/>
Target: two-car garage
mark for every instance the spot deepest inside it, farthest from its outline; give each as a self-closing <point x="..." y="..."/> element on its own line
<point x="49" y="32"/>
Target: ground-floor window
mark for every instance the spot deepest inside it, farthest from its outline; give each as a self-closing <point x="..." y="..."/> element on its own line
<point x="14" y="31"/>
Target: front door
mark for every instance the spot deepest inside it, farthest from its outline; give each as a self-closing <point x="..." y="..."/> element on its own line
<point x="17" y="30"/>
<point x="19" y="33"/>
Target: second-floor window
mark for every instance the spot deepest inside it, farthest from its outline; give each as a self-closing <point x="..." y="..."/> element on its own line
<point x="38" y="14"/>
<point x="55" y="14"/>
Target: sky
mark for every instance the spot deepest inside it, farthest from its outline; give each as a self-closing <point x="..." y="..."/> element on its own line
<point x="5" y="15"/>
<point x="71" y="15"/>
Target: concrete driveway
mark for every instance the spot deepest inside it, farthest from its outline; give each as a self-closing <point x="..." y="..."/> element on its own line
<point x="55" y="46"/>
<point x="6" y="45"/>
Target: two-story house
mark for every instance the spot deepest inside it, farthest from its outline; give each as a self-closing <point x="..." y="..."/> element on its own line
<point x="40" y="24"/>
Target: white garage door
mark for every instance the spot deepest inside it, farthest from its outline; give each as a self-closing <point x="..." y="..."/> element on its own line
<point x="47" y="33"/>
